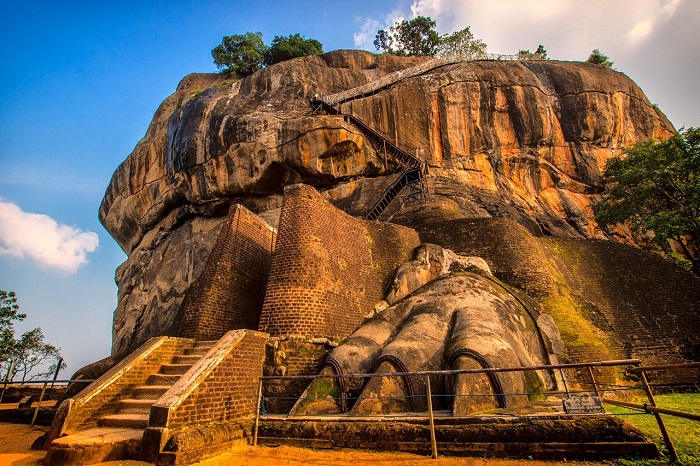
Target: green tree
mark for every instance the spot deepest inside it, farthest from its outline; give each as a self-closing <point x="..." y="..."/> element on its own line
<point x="240" y="53"/>
<point x="33" y="359"/>
<point x="293" y="46"/>
<point x="27" y="355"/>
<point x="413" y="38"/>
<point x="655" y="187"/>
<point x="461" y="43"/>
<point x="9" y="313"/>
<point x="540" y="53"/>
<point x="597" y="58"/>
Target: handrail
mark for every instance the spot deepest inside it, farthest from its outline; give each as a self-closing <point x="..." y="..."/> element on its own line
<point x="399" y="183"/>
<point x="404" y="157"/>
<point x="422" y="68"/>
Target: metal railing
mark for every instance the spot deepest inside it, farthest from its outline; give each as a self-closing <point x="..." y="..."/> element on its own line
<point x="597" y="389"/>
<point x="422" y="68"/>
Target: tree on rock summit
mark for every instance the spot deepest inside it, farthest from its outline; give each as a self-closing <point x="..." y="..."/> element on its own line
<point x="598" y="58"/>
<point x="247" y="53"/>
<point x="417" y="37"/>
<point x="240" y="53"/>
<point x="293" y="46"/>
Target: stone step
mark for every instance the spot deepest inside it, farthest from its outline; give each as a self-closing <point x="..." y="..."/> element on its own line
<point x="134" y="406"/>
<point x="540" y="436"/>
<point x="126" y="421"/>
<point x="200" y="348"/>
<point x="149" y="392"/>
<point x="162" y="379"/>
<point x="174" y="369"/>
<point x="95" y="446"/>
<point x="205" y="344"/>
<point x="186" y="359"/>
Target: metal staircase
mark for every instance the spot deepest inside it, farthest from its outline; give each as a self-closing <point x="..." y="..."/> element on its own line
<point x="410" y="178"/>
<point x="413" y="170"/>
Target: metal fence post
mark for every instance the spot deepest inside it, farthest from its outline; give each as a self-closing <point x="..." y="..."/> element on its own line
<point x="257" y="413"/>
<point x="38" y="405"/>
<point x="672" y="455"/>
<point x="433" y="443"/>
<point x="563" y="379"/>
<point x="595" y="385"/>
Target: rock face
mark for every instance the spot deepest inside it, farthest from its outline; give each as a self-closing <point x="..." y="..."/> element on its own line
<point x="525" y="140"/>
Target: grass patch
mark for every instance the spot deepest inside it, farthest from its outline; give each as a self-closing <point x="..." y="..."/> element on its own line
<point x="684" y="433"/>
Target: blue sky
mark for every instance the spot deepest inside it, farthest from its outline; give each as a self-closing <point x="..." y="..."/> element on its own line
<point x="80" y="81"/>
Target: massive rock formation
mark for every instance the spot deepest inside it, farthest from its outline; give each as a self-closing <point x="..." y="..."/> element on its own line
<point x="525" y="140"/>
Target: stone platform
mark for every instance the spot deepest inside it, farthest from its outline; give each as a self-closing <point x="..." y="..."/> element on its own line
<point x="540" y="436"/>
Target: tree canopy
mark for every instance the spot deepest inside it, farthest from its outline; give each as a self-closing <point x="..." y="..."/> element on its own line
<point x="285" y="48"/>
<point x="597" y="58"/>
<point x="247" y="53"/>
<point x="27" y="356"/>
<point x="655" y="188"/>
<point x="461" y="43"/>
<point x="410" y="38"/>
<point x="240" y="53"/>
<point x="540" y="53"/>
<point x="418" y="37"/>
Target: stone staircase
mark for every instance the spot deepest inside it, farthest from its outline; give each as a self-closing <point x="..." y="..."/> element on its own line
<point x="120" y="424"/>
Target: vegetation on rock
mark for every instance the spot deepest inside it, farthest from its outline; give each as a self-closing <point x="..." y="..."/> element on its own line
<point x="293" y="46"/>
<point x="655" y="188"/>
<point x="540" y="53"/>
<point x="22" y="356"/>
<point x="240" y="53"/>
<point x="246" y="53"/>
<point x="597" y="58"/>
<point x="418" y="37"/>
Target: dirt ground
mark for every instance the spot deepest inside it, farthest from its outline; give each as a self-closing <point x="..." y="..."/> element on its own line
<point x="16" y="439"/>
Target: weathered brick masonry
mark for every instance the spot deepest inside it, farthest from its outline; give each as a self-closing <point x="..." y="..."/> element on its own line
<point x="290" y="356"/>
<point x="211" y="406"/>
<point x="652" y="304"/>
<point x="90" y="404"/>
<point x="229" y="293"/>
<point x="636" y="303"/>
<point x="228" y="392"/>
<point x="329" y="269"/>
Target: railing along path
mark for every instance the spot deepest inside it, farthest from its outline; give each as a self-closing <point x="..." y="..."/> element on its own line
<point x="422" y="68"/>
<point x="414" y="168"/>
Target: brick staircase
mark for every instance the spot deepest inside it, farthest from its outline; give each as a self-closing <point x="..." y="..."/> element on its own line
<point x="121" y="423"/>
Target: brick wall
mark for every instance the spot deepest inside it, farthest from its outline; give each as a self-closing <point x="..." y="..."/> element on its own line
<point x="513" y="254"/>
<point x="328" y="269"/>
<point x="652" y="304"/>
<point x="98" y="398"/>
<point x="230" y="291"/>
<point x="225" y="389"/>
<point x="609" y="300"/>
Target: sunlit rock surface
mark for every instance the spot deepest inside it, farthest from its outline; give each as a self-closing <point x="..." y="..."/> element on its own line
<point x="523" y="140"/>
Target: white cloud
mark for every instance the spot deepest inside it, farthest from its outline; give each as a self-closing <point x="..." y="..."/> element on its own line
<point x="43" y="240"/>
<point x="652" y="41"/>
<point x="507" y="25"/>
<point x="641" y="30"/>
<point x="364" y="38"/>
